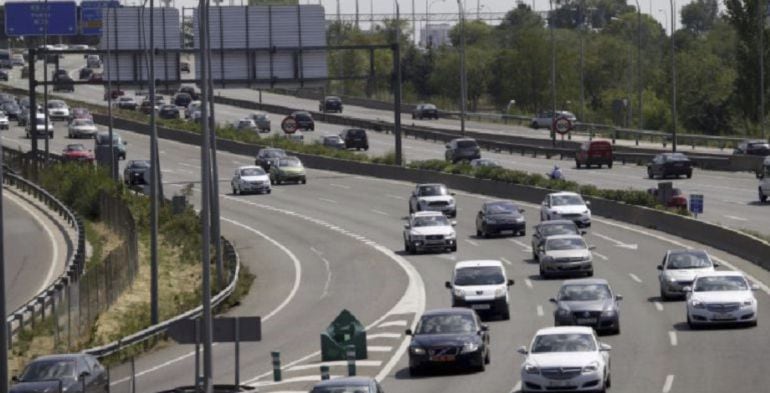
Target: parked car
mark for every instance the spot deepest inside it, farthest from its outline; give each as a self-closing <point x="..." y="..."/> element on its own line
<point x="482" y="286"/>
<point x="462" y="149"/>
<point x="678" y="269"/>
<point x="114" y="94"/>
<point x="118" y="144"/>
<point x="432" y="197"/>
<point x="425" y="111"/>
<point x="566" y="358"/>
<point x="4" y="124"/>
<point x="126" y="102"/>
<point x="565" y="255"/>
<point x="85" y="73"/>
<point x="485" y="163"/>
<point x="12" y="109"/>
<point x="146" y="107"/>
<point x="58" y="73"/>
<point x="287" y="168"/>
<point x="429" y="231"/>
<point x="330" y="104"/>
<point x="68" y="372"/>
<point x="333" y="141"/>
<point x="721" y="297"/>
<point x="677" y="199"/>
<point x="77" y="152"/>
<point x="79" y="128"/>
<point x="262" y="120"/>
<point x="266" y="157"/>
<point x="546" y="229"/>
<point x="168" y="111"/>
<point x="348" y="384"/>
<point x="250" y="178"/>
<point x="448" y="336"/>
<point x="545" y="119"/>
<point x="495" y="217"/>
<point x="588" y="302"/>
<point x="595" y="152"/>
<point x="182" y="99"/>
<point x="669" y="164"/>
<point x="194" y="106"/>
<point x="754" y="147"/>
<point x="566" y="205"/>
<point x="58" y="110"/>
<point x="355" y="138"/>
<point x="304" y="120"/>
<point x="137" y="172"/>
<point x="191" y="91"/>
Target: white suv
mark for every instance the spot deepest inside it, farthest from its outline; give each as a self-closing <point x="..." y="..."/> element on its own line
<point x="429" y="231"/>
<point x="566" y="206"/>
<point x="432" y="197"/>
<point x="481" y="286"/>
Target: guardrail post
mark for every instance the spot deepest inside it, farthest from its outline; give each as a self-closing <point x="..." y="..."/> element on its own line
<point x="9" y="326"/>
<point x="41" y="301"/>
<point x="31" y="310"/>
<point x="19" y="317"/>
<point x="350" y="352"/>
<point x="324" y="373"/>
<point x="276" y="366"/>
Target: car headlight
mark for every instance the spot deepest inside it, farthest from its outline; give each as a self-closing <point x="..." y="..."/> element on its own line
<point x="470" y="347"/>
<point x="458" y="292"/>
<point x="562" y="312"/>
<point x="748" y="303"/>
<point x="500" y="292"/>
<point x="587" y="212"/>
<point x="591" y="368"/>
<point x="451" y="202"/>
<point x="417" y="350"/>
<point x="519" y="219"/>
<point x="609" y="312"/>
<point x="697" y="303"/>
<point x="451" y="235"/>
<point x="491" y="220"/>
<point x="671" y="279"/>
<point x="530" y="368"/>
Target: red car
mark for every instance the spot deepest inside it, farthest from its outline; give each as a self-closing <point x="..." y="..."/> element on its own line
<point x="95" y="77"/>
<point x="81" y="113"/>
<point x="78" y="152"/>
<point x="595" y="152"/>
<point x="115" y="94"/>
<point x="676" y="200"/>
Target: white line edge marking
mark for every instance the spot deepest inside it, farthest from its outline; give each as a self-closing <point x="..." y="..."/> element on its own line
<point x="528" y="282"/>
<point x="380" y="212"/>
<point x="344" y="187"/>
<point x="658" y="305"/>
<point x="672" y="338"/>
<point x="600" y="255"/>
<point x="635" y="277"/>
<point x="517" y="387"/>
<point x="328" y="277"/>
<point x="540" y="311"/>
<point x="507" y="262"/>
<point x="668" y="384"/>
<point x="471" y="242"/>
<point x="315" y="251"/>
<point x="327" y="200"/>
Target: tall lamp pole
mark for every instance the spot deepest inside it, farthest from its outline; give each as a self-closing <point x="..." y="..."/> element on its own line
<point x="673" y="78"/>
<point x="761" y="20"/>
<point x="639" y="81"/>
<point x="553" y="74"/>
<point x="397" y="87"/>
<point x="463" y="82"/>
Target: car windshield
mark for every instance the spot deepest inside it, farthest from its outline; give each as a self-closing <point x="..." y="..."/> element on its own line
<point x="140" y="164"/>
<point x="573" y="342"/>
<point x="433" y="190"/>
<point x="272" y="153"/>
<point x="49" y="369"/>
<point x="76" y="148"/>
<point x="252" y="172"/>
<point x="565" y="244"/>
<point x="466" y="144"/>
<point x="430" y="221"/>
<point x="676" y="157"/>
<point x="584" y="292"/>
<point x="341" y="389"/>
<point x="502" y="208"/>
<point x="56" y="104"/>
<point x="332" y="139"/>
<point x="688" y="260"/>
<point x="126" y="99"/>
<point x="290" y="162"/>
<point x="720" y="283"/>
<point x="480" y="275"/>
<point x="82" y="122"/>
<point x="558" y="229"/>
<point x="566" y="200"/>
<point x="428" y="106"/>
<point x="302" y="116"/>
<point x="10" y="106"/>
<point x="446" y="324"/>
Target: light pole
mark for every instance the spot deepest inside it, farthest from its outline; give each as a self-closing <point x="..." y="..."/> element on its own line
<point x="553" y="73"/>
<point x="397" y="87"/>
<point x="761" y="50"/>
<point x="463" y="82"/>
<point x="673" y="79"/>
<point x="639" y="62"/>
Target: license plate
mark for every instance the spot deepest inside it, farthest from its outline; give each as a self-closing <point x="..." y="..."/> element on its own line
<point x="722" y="316"/>
<point x="586" y="320"/>
<point x="480" y="306"/>
<point x="559" y="384"/>
<point x="443" y="358"/>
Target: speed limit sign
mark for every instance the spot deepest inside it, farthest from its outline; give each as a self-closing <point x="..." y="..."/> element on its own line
<point x="562" y="125"/>
<point x="289" y="125"/>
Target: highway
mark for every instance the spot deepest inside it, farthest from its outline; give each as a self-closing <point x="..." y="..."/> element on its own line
<point x="336" y="243"/>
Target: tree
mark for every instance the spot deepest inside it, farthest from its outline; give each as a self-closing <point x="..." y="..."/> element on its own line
<point x="700" y="15"/>
<point x="477" y="33"/>
<point x="742" y="16"/>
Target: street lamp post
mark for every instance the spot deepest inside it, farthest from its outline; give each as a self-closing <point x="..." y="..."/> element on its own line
<point x="673" y="79"/>
<point x="761" y="50"/>
<point x="639" y="81"/>
<point x="463" y="82"/>
<point x="397" y="87"/>
<point x="553" y="73"/>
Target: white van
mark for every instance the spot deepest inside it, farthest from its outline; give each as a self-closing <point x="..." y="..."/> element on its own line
<point x="764" y="180"/>
<point x="481" y="286"/>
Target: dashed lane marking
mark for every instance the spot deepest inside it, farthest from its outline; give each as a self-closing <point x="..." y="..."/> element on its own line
<point x="380" y="212"/>
<point x="635" y="277"/>
<point x="382" y="335"/>
<point x="668" y="384"/>
<point x="339" y="363"/>
<point x="601" y="256"/>
<point x="471" y="242"/>
<point x="507" y="262"/>
<point x="378" y="348"/>
<point x="528" y="283"/>
<point x="540" y="311"/>
<point x="672" y="338"/>
<point x="658" y="305"/>
<point x="402" y="322"/>
<point x="327" y="200"/>
<point x="342" y="186"/>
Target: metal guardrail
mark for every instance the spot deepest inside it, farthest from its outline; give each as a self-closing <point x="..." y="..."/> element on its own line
<point x="230" y="255"/>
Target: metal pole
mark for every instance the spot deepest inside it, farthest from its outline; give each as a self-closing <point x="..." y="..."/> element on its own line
<point x="205" y="204"/>
<point x="215" y="179"/>
<point x="154" y="163"/>
<point x="113" y="164"/>
<point x="414" y="22"/>
<point x="4" y="331"/>
<point x="397" y="88"/>
<point x="639" y="81"/>
<point x="673" y="78"/>
<point x="553" y="74"/>
<point x="237" y="356"/>
<point x="761" y="18"/>
<point x="463" y="94"/>
<point x="45" y="86"/>
<point x="582" y="76"/>
<point x="32" y="121"/>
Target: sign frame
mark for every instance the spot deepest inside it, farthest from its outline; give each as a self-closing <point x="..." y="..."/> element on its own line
<point x="94" y="8"/>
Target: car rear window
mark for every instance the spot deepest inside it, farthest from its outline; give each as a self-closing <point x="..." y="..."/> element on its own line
<point x="601" y="146"/>
<point x="467" y="143"/>
<point x="358" y="133"/>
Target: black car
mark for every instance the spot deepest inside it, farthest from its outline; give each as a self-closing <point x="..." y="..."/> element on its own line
<point x="168" y="111"/>
<point x="498" y="216"/>
<point x="588" y="302"/>
<point x="134" y="172"/>
<point x="425" y="111"/>
<point x="85" y="73"/>
<point x="348" y="385"/>
<point x="64" y="83"/>
<point x="3" y="75"/>
<point x="355" y="138"/>
<point x="146" y="107"/>
<point x="449" y="336"/>
<point x="304" y="120"/>
<point x="330" y="104"/>
<point x="334" y="142"/>
<point x="545" y="229"/>
<point x="59" y="73"/>
<point x="191" y="91"/>
<point x="265" y="157"/>
<point x="669" y="164"/>
<point x="755" y="147"/>
<point x="182" y="99"/>
<point x="72" y="370"/>
<point x="462" y="149"/>
<point x="12" y="109"/>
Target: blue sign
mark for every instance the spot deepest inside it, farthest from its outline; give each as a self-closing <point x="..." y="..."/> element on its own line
<point x="91" y="16"/>
<point x="37" y="19"/>
<point x="696" y="203"/>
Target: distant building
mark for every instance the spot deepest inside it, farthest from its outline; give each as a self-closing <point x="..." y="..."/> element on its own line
<point x="435" y="35"/>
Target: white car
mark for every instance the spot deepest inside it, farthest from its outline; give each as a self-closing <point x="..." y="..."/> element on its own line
<point x="764" y="181"/>
<point x="58" y="110"/>
<point x="250" y="178"/>
<point x="565" y="254"/>
<point x="40" y="127"/>
<point x="566" y="358"/>
<point x="82" y="127"/>
<point x="4" y="125"/>
<point x="566" y="206"/>
<point x="429" y="231"/>
<point x="679" y="268"/>
<point x="432" y="197"/>
<point x="192" y="107"/>
<point x="721" y="297"/>
<point x="482" y="286"/>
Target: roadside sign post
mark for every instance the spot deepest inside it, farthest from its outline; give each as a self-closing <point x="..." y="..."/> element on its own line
<point x="289" y="125"/>
<point x="696" y="204"/>
<point x="562" y="125"/>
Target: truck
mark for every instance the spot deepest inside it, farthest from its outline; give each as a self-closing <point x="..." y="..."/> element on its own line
<point x="764" y="180"/>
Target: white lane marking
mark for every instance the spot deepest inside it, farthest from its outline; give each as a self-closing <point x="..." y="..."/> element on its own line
<point x="736" y="218"/>
<point x="382" y="335"/>
<point x="327" y="265"/>
<point x="327" y="200"/>
<point x="380" y="212"/>
<point x="342" y="186"/>
<point x="378" y="348"/>
<point x="517" y="387"/>
<point x="658" y="305"/>
<point x="184" y="171"/>
<point x="304" y="378"/>
<point x="669" y="382"/>
<point x="190" y="165"/>
<point x="316" y="252"/>
<point x="400" y="198"/>
<point x="471" y="242"/>
<point x="672" y="338"/>
<point x="48" y="232"/>
<point x="540" y="312"/>
<point x="600" y="256"/>
<point x="528" y="282"/>
<point x="401" y="322"/>
<point x="635" y="277"/>
<point x="337" y="363"/>
<point x="163" y="170"/>
<point x="617" y="242"/>
<point x="521" y="244"/>
<point x="507" y="262"/>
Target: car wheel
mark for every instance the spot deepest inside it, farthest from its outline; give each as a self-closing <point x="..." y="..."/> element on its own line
<point x="478" y="232"/>
<point x="304" y="180"/>
<point x="482" y="364"/>
<point x="609" y="165"/>
<point x="590" y="273"/>
<point x="488" y="358"/>
<point x="543" y="274"/>
<point x="411" y="209"/>
<point x="616" y="331"/>
<point x="752" y="324"/>
<point x="577" y="164"/>
<point x="454" y="248"/>
<point x="650" y="175"/>
<point x="762" y="197"/>
<point x="535" y="125"/>
<point x="690" y="323"/>
<point x="484" y="232"/>
<point x="414" y="371"/>
<point x="689" y="175"/>
<point x="506" y="314"/>
<point x="269" y="191"/>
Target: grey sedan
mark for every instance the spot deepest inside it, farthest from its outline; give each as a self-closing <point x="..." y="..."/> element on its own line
<point x="70" y="373"/>
<point x="588" y="302"/>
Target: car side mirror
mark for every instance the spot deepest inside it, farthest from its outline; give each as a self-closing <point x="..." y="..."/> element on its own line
<point x="484" y="327"/>
<point x="660" y="267"/>
<point x="754" y="287"/>
<point x="452" y="193"/>
<point x="85" y="374"/>
<point x="592" y="247"/>
<point x="583" y="233"/>
<point x="447" y="146"/>
<point x="408" y="332"/>
<point x="716" y="265"/>
<point x="406" y="226"/>
<point x="552" y="300"/>
<point x="760" y="175"/>
<point x="522" y="211"/>
<point x="454" y="223"/>
<point x="510" y="282"/>
<point x="15" y="379"/>
<point x="448" y="284"/>
<point x="687" y="289"/>
<point x="618" y="297"/>
<point x="605" y="347"/>
<point x="125" y="143"/>
<point x="522" y="350"/>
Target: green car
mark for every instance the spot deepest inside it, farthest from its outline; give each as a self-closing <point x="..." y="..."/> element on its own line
<point x="287" y="169"/>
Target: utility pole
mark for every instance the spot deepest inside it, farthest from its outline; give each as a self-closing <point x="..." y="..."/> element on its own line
<point x="673" y="78"/>
<point x="154" y="313"/>
<point x="4" y="324"/>
<point x="761" y="19"/>
<point x="553" y="74"/>
<point x="463" y="82"/>
<point x="113" y="166"/>
<point x="639" y="82"/>
<point x="215" y="224"/>
<point x="397" y="87"/>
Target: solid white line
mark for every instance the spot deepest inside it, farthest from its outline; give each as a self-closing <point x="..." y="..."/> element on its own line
<point x="507" y="262"/>
<point x="382" y="335"/>
<point x="635" y="277"/>
<point x="528" y="282"/>
<point x="736" y="218"/>
<point x="471" y="242"/>
<point x="380" y="212"/>
<point x="540" y="312"/>
<point x="328" y="277"/>
<point x="338" y="363"/>
<point x="378" y="348"/>
<point x="315" y="251"/>
<point x="600" y="255"/>
<point x="517" y="387"/>
<point x="327" y="200"/>
<point x="658" y="305"/>
<point x="400" y="198"/>
<point x="401" y="323"/>
<point x="672" y="338"/>
<point x="667" y="385"/>
<point x="526" y="247"/>
<point x="344" y="187"/>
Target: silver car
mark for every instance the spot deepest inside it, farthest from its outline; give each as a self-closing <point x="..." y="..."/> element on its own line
<point x="545" y="119"/>
<point x="79" y="128"/>
<point x="678" y="270"/>
<point x="262" y="120"/>
<point x="565" y="254"/>
<point x="588" y="302"/>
